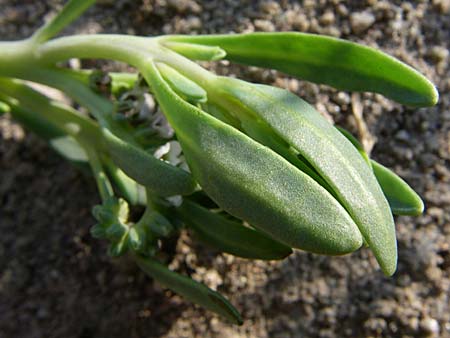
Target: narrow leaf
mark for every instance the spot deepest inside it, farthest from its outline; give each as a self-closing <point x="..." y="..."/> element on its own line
<point x="189" y="289"/>
<point x="355" y="143"/>
<point x="71" y="11"/>
<point x="402" y="198"/>
<point x="156" y="175"/>
<point x="133" y="192"/>
<point x="229" y="236"/>
<point x="196" y="52"/>
<point x="181" y="84"/>
<point x="321" y="59"/>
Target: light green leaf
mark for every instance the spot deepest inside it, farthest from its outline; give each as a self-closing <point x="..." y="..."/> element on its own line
<point x="253" y="183"/>
<point x="181" y="85"/>
<point x="328" y="152"/>
<point x="156" y="175"/>
<point x="321" y="59"/>
<point x="403" y="200"/>
<point x="69" y="148"/>
<point x="71" y="11"/>
<point x="133" y="192"/>
<point x="196" y="52"/>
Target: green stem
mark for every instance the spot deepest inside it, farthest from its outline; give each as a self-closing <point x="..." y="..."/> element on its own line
<point x="104" y="185"/>
<point x="136" y="51"/>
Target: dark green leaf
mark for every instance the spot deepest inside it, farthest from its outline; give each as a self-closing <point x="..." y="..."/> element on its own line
<point x="230" y="236"/>
<point x="402" y="198"/>
<point x="189" y="289"/>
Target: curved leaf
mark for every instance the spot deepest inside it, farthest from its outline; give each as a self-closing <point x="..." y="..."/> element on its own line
<point x="402" y="198"/>
<point x="181" y="84"/>
<point x="327" y="151"/>
<point x="253" y="183"/>
<point x="229" y="236"/>
<point x="196" y="52"/>
<point x="160" y="177"/>
<point x="321" y="59"/>
<point x="189" y="289"/>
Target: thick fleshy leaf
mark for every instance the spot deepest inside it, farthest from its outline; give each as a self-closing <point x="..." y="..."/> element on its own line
<point x="196" y="51"/>
<point x="189" y="289"/>
<point x="181" y="85"/>
<point x="69" y="148"/>
<point x="327" y="151"/>
<point x="355" y="143"/>
<point x="403" y="200"/>
<point x="133" y="192"/>
<point x="253" y="183"/>
<point x="321" y="59"/>
<point x="230" y="236"/>
<point x="160" y="177"/>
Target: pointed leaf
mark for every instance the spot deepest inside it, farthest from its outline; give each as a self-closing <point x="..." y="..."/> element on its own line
<point x="229" y="236"/>
<point x="328" y="152"/>
<point x="402" y="198"/>
<point x="181" y="84"/>
<point x="197" y="52"/>
<point x="253" y="183"/>
<point x="321" y="59"/>
<point x="160" y="177"/>
<point x="189" y="289"/>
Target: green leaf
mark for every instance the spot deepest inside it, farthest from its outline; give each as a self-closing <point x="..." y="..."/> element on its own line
<point x="122" y="81"/>
<point x="160" y="177"/>
<point x="253" y="183"/>
<point x="4" y="108"/>
<point x="136" y="238"/>
<point x="155" y="222"/>
<point x="133" y="192"/>
<point x="402" y="198"/>
<point x="189" y="289"/>
<point x="181" y="85"/>
<point x="195" y="51"/>
<point x="328" y="152"/>
<point x="355" y="143"/>
<point x="69" y="148"/>
<point x="321" y="59"/>
<point x="120" y="247"/>
<point x="230" y="236"/>
<point x="32" y="121"/>
<point x="71" y="11"/>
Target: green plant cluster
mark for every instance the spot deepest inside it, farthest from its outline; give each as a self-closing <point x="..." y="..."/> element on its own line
<point x="250" y="169"/>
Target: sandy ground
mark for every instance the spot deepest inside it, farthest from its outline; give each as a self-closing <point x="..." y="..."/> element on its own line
<point x="57" y="281"/>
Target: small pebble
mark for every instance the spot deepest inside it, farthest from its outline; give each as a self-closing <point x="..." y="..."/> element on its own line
<point x="327" y="18"/>
<point x="439" y="54"/>
<point x="361" y="21"/>
<point x="430" y="325"/>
